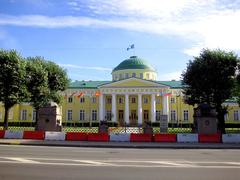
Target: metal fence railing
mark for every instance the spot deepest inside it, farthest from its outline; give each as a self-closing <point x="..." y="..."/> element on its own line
<point x="116" y="129"/>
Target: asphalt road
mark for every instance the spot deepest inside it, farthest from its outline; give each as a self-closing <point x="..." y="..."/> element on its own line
<point x="38" y="162"/>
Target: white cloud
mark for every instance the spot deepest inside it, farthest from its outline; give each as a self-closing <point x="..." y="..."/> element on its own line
<point x="170" y="76"/>
<point x="205" y="24"/>
<point x="85" y="67"/>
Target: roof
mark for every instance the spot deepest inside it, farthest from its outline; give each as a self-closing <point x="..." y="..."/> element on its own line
<point x="134" y="62"/>
<point x="86" y="84"/>
<point x="95" y="84"/>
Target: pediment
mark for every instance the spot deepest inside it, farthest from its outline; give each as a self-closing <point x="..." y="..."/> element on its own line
<point x="133" y="82"/>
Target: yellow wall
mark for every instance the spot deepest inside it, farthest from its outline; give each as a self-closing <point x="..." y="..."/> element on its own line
<point x="152" y="75"/>
<point x="179" y="106"/>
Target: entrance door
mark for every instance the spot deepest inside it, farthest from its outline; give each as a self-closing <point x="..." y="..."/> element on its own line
<point x="120" y="117"/>
<point x="145" y="115"/>
<point x="133" y="118"/>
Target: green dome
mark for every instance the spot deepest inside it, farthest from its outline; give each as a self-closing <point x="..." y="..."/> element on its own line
<point x="134" y="63"/>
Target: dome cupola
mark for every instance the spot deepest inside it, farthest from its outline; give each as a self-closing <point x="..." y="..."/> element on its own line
<point x="134" y="67"/>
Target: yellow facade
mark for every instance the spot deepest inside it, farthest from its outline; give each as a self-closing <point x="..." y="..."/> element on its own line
<point x="118" y="101"/>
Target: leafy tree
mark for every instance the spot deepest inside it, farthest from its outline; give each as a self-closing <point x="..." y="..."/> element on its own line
<point x="37" y="84"/>
<point x="45" y="80"/>
<point x="210" y="79"/>
<point x="12" y="81"/>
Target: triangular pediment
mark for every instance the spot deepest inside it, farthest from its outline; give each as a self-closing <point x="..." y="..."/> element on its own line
<point x="133" y="82"/>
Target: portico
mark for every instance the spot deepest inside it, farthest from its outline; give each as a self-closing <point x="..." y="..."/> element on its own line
<point x="137" y="103"/>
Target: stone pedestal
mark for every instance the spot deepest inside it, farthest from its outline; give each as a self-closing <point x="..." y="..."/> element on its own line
<point x="205" y="120"/>
<point x="103" y="127"/>
<point x="147" y="129"/>
<point x="50" y="118"/>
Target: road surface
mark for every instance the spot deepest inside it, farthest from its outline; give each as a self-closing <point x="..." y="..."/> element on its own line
<point x="41" y="162"/>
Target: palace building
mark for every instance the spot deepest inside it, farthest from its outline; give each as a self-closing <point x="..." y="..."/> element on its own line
<point x="133" y="97"/>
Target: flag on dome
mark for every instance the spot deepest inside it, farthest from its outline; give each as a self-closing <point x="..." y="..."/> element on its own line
<point x="132" y="46"/>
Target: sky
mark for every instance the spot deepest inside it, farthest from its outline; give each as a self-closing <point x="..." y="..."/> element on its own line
<point x="90" y="37"/>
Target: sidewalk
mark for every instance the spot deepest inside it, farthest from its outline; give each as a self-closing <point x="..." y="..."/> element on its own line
<point x="139" y="145"/>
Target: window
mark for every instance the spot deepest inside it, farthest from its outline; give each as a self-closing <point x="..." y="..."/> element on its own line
<point x="69" y="115"/>
<point x="108" y="115"/>
<point x="226" y="117"/>
<point x="24" y="114"/>
<point x="34" y="114"/>
<point x="126" y="75"/>
<point x="109" y="100"/>
<point x="145" y="100"/>
<point x="133" y="74"/>
<point x="94" y="100"/>
<point x="147" y="76"/>
<point x="173" y="115"/>
<point x="10" y="114"/>
<point x="94" y="115"/>
<point x="145" y="115"/>
<point x="120" y="76"/>
<point x="120" y="100"/>
<point x="158" y="115"/>
<point x="141" y="75"/>
<point x="82" y="115"/>
<point x="235" y="116"/>
<point x="133" y="100"/>
<point x="158" y="101"/>
<point x="173" y="100"/>
<point x="116" y="77"/>
<point x="70" y="99"/>
<point x="82" y="100"/>
<point x="0" y="115"/>
<point x="185" y="115"/>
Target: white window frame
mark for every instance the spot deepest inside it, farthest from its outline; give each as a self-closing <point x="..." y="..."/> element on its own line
<point x="173" y="100"/>
<point x="236" y="115"/>
<point x="94" y="115"/>
<point x="82" y="100"/>
<point x="23" y="115"/>
<point x="34" y="115"/>
<point x="145" y="100"/>
<point x="185" y="115"/>
<point x="133" y="100"/>
<point x="173" y="115"/>
<point x="10" y="114"/>
<point x="120" y="100"/>
<point x="158" y="115"/>
<point x="94" y="100"/>
<point x="81" y="115"/>
<point x="70" y="99"/>
<point x="69" y="115"/>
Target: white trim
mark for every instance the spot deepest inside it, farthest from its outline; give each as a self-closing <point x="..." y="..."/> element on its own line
<point x="153" y="84"/>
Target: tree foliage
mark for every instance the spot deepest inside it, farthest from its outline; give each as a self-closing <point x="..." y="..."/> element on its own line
<point x="13" y="88"/>
<point x="210" y="78"/>
<point x="45" y="82"/>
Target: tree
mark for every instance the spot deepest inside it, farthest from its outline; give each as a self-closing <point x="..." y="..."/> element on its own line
<point x="210" y="78"/>
<point x="37" y="84"/>
<point x="12" y="81"/>
<point x="45" y="82"/>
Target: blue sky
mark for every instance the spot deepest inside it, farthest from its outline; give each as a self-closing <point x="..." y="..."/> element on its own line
<point x="89" y="37"/>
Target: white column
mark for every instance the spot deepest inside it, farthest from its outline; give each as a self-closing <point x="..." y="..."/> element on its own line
<point x="101" y="107"/>
<point x="114" y="113"/>
<point x="126" y="109"/>
<point x="153" y="108"/>
<point x="139" y="108"/>
<point x="165" y="106"/>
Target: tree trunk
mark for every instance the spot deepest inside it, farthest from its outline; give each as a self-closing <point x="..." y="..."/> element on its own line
<point x="5" y="124"/>
<point x="221" y="122"/>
